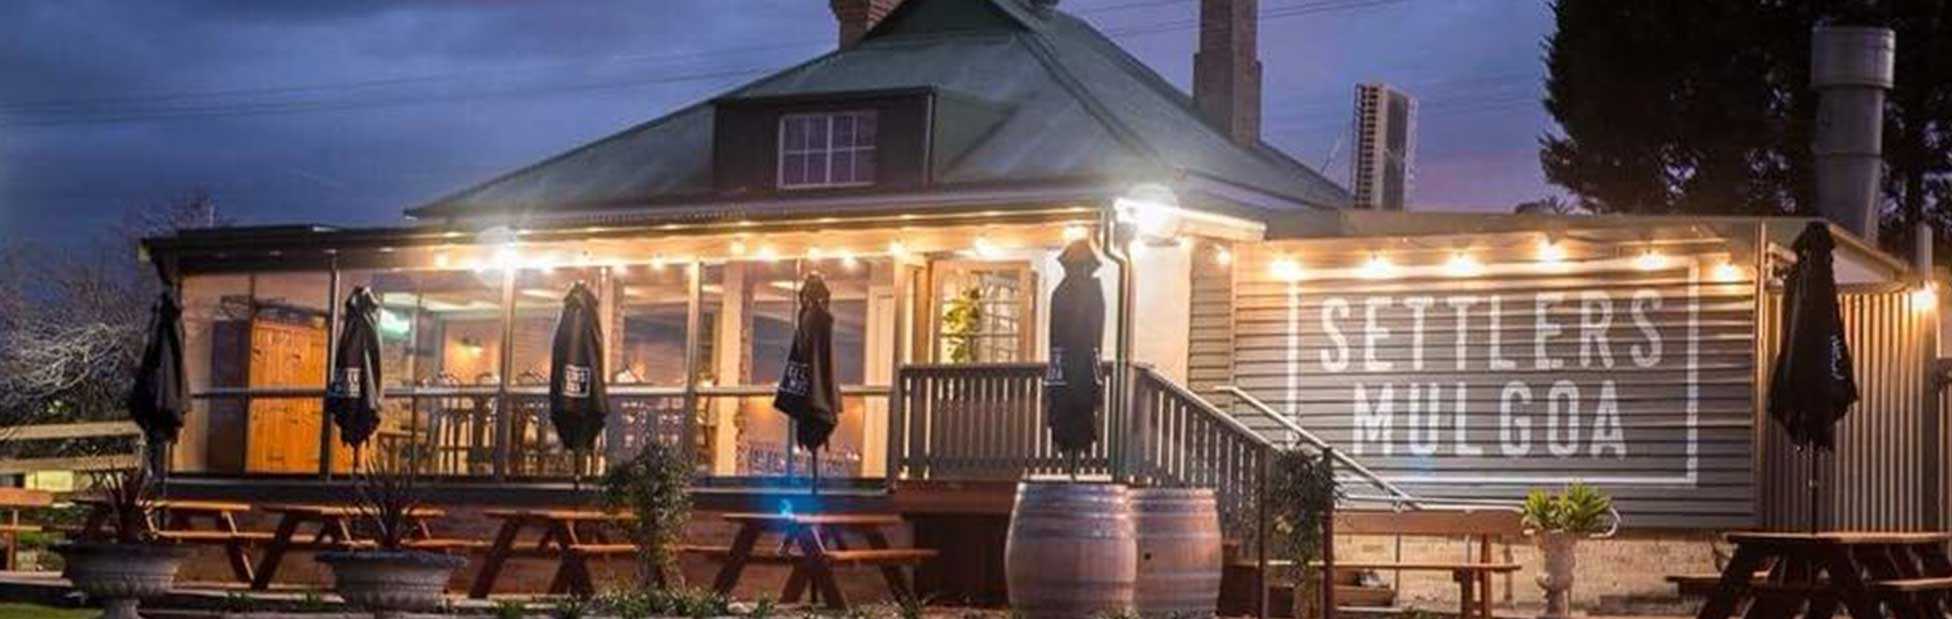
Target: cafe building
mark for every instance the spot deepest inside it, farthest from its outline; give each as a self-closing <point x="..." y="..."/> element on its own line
<point x="931" y="170"/>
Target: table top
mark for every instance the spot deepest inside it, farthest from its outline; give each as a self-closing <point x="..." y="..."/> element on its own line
<point x="177" y="505"/>
<point x="559" y="514"/>
<point x="816" y="519"/>
<point x="342" y="511"/>
<point x="1839" y="537"/>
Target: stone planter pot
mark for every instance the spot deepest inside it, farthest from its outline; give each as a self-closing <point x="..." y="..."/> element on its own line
<point x="121" y="575"/>
<point x="1561" y="551"/>
<point x="390" y="583"/>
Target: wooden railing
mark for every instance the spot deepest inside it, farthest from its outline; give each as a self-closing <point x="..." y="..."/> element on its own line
<point x="1180" y="439"/>
<point x="982" y="421"/>
<point x="986" y="422"/>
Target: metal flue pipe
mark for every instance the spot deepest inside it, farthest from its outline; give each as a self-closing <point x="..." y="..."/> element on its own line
<point x="1851" y="70"/>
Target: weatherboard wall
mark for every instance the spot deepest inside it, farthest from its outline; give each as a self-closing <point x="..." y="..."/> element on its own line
<point x="1485" y="379"/>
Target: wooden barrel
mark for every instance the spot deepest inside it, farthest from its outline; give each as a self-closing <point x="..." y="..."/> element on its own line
<point x="1071" y="551"/>
<point x="1179" y="552"/>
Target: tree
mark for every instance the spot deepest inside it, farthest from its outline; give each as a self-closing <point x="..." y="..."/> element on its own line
<point x="1680" y="106"/>
<point x="1549" y="205"/>
<point x="72" y="318"/>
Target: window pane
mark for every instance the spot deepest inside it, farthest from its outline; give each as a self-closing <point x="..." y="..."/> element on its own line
<point x="843" y="167"/>
<point x="817" y="132"/>
<point x="817" y="169"/>
<point x="843" y="130"/>
<point x="438" y="330"/>
<point x="535" y="450"/>
<point x="793" y="170"/>
<point x="796" y="133"/>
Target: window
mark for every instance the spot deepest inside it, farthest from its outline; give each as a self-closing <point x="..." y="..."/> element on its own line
<point x="826" y="150"/>
<point x="982" y="311"/>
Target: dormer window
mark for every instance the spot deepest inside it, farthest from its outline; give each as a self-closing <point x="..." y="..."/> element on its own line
<point x="827" y="149"/>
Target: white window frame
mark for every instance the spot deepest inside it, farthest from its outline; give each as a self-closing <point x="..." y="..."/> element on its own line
<point x="830" y="149"/>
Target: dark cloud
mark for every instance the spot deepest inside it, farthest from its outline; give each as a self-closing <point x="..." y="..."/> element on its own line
<point x="347" y="112"/>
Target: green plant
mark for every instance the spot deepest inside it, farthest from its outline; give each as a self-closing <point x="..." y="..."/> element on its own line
<point x="312" y="602"/>
<point x="238" y="602"/>
<point x="962" y="322"/>
<point x="572" y="607"/>
<point x="130" y="495"/>
<point x="654" y="486"/>
<point x="911" y="606"/>
<point x="510" y="609"/>
<point x="762" y="608"/>
<point x="1578" y="508"/>
<point x="1302" y="492"/>
<point x="387" y="494"/>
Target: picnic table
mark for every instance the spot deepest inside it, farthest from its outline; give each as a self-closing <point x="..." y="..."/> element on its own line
<point x="334" y="532"/>
<point x="814" y="544"/>
<point x="570" y="536"/>
<point x="1868" y="572"/>
<point x="185" y="522"/>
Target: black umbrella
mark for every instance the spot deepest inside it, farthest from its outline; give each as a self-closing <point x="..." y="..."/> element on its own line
<point x="160" y="396"/>
<point x="807" y="391"/>
<point x="354" y="396"/>
<point x="577" y="400"/>
<point x="1813" y="386"/>
<point x="1074" y="379"/>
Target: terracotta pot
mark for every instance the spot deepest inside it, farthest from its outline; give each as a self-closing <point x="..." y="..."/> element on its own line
<point x="391" y="583"/>
<point x="1561" y="554"/>
<point x="121" y="575"/>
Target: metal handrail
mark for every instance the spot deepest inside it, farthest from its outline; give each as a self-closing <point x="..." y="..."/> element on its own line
<point x="1318" y="443"/>
<point x="1208" y="407"/>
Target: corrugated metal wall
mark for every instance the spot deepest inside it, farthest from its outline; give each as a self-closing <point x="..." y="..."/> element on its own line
<point x="1886" y="471"/>
<point x="1632" y="375"/>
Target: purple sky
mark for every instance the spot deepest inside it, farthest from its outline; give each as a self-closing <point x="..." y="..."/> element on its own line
<point x="347" y="112"/>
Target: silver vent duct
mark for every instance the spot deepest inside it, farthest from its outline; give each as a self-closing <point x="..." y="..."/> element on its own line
<point x="1850" y="68"/>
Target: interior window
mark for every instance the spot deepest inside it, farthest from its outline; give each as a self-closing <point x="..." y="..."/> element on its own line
<point x="982" y="311"/>
<point x="829" y="149"/>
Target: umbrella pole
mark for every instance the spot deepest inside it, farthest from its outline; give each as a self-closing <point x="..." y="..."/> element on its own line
<point x="1816" y="456"/>
<point x="813" y="458"/>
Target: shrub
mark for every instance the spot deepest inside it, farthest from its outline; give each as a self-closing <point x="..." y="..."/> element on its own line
<point x="1578" y="509"/>
<point x="654" y="486"/>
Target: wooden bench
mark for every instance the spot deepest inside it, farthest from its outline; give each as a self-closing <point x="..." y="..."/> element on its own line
<point x="1480" y="527"/>
<point x="1700" y="585"/>
<point x="13" y="500"/>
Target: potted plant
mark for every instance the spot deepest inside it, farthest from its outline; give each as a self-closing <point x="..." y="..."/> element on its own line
<point x="389" y="579"/>
<point x="121" y="571"/>
<point x="1557" y="523"/>
<point x="655" y="487"/>
<point x="1302" y="493"/>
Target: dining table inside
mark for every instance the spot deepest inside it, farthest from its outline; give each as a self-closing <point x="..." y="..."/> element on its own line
<point x="1869" y="573"/>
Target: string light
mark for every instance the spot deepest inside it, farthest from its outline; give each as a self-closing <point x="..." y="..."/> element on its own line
<point x="1551" y="253"/>
<point x="1650" y="260"/>
<point x="1377" y="267"/>
<point x="814" y="254"/>
<point x="440" y="260"/>
<point x="736" y="248"/>
<point x="1924" y="297"/>
<point x="1074" y="232"/>
<point x="1285" y="269"/>
<point x="657" y="262"/>
<point x="1222" y="257"/>
<point x="847" y="259"/>
<point x="897" y="250"/>
<point x="1727" y="272"/>
<point x="984" y="247"/>
<point x="1186" y="243"/>
<point x="1463" y="265"/>
<point x="767" y="253"/>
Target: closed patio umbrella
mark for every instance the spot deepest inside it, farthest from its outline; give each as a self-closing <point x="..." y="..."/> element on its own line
<point x="807" y="391"/>
<point x="1074" y="381"/>
<point x="160" y="395"/>
<point x="578" y="403"/>
<point x="354" y="396"/>
<point x="1812" y="386"/>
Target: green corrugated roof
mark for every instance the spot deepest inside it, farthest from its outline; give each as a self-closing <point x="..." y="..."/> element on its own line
<point x="1073" y="105"/>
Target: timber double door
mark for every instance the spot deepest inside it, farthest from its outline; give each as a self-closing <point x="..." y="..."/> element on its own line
<point x="279" y="434"/>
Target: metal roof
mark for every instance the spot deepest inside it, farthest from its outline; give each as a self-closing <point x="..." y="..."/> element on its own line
<point x="1073" y="105"/>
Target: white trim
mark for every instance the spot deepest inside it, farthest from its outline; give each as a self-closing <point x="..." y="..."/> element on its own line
<point x="829" y="150"/>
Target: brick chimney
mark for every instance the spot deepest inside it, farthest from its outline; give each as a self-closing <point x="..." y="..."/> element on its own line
<point x="858" y="16"/>
<point x="1227" y="68"/>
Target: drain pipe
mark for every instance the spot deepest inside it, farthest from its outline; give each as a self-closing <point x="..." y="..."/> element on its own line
<point x="1851" y="70"/>
<point x="1118" y="250"/>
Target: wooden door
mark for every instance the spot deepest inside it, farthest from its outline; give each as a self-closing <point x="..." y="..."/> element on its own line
<point x="283" y="433"/>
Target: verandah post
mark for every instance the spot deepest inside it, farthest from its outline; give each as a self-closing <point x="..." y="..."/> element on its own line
<point x="1328" y="542"/>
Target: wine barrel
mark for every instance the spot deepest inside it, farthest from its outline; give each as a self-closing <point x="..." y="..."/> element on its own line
<point x="1071" y="551"/>
<point x="1179" y="552"/>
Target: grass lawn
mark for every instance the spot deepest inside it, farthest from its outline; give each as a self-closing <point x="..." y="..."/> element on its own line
<point x="11" y="610"/>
